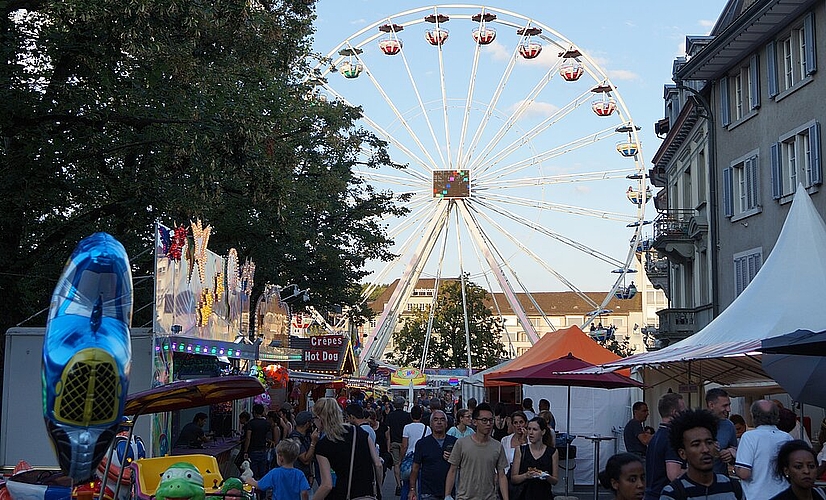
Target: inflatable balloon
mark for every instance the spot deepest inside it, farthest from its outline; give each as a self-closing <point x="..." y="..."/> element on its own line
<point x="181" y="481"/>
<point x="87" y="354"/>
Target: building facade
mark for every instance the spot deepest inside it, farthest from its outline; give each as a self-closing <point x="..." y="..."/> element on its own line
<point x="741" y="133"/>
<point x="630" y="318"/>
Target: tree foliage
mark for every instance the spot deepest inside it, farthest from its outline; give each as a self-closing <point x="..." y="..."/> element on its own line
<point x="447" y="348"/>
<point x="120" y="113"/>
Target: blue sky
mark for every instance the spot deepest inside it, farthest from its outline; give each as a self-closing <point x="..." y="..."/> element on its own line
<point x="633" y="43"/>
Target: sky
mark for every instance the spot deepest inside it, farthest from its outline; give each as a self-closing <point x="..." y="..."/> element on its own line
<point x="631" y="43"/>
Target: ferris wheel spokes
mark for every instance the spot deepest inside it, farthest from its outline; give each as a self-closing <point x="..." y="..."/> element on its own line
<point x="422" y="107"/>
<point x="386" y="324"/>
<point x="547" y="180"/>
<point x="565" y="281"/>
<point x="520" y="110"/>
<point x="528" y="136"/>
<point x="432" y="313"/>
<point x="505" y="264"/>
<point x="548" y="154"/>
<point x="494" y="266"/>
<point x="392" y="140"/>
<point x="469" y="100"/>
<point x="561" y="208"/>
<point x="491" y="107"/>
<point x="553" y="234"/>
<point x="420" y="218"/>
<point x="395" y="110"/>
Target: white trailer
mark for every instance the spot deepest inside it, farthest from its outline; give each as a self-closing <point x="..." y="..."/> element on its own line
<point x="23" y="434"/>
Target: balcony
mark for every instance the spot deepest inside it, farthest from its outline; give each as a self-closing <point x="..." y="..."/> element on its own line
<point x="656" y="269"/>
<point x="671" y="235"/>
<point x="679" y="323"/>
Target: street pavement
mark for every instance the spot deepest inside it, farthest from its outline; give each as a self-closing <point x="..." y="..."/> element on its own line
<point x="580" y="492"/>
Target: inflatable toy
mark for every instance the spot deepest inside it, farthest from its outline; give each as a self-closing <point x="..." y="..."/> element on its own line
<point x="181" y="481"/>
<point x="233" y="488"/>
<point x="87" y="354"/>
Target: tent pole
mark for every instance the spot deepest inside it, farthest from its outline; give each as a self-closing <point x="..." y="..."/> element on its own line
<point x="568" y="467"/>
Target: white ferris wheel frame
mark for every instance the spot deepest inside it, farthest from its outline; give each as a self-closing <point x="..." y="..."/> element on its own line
<point x="431" y="216"/>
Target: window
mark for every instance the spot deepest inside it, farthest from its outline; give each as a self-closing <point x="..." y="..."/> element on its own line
<point x="741" y="194"/>
<point x="746" y="265"/>
<point x="791" y="57"/>
<point x="796" y="160"/>
<point x="740" y="92"/>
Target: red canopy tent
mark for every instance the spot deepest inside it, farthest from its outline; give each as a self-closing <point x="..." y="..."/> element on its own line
<point x="552" y="346"/>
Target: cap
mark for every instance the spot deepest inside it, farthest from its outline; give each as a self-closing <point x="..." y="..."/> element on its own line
<point x="303" y="417"/>
<point x="398" y="402"/>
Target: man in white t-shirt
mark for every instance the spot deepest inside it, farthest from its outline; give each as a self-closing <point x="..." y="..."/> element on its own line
<point x="758" y="448"/>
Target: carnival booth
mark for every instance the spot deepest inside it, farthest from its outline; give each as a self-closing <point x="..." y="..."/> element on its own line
<point x="594" y="411"/>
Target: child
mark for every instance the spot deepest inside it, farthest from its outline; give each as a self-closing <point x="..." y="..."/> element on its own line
<point x="286" y="482"/>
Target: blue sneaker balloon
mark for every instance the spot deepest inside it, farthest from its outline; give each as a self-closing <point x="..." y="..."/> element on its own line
<point x="87" y="354"/>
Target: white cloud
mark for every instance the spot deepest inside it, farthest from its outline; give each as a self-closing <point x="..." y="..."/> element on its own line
<point x="582" y="188"/>
<point x="535" y="109"/>
<point x="497" y="51"/>
<point x="358" y="22"/>
<point x="622" y="74"/>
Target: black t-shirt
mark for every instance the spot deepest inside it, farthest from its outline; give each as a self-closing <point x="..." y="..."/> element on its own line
<point x="396" y="420"/>
<point x="261" y="430"/>
<point x="190" y="436"/>
<point x="338" y="453"/>
<point x="381" y="438"/>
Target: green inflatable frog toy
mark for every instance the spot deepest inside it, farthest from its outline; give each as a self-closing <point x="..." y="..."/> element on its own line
<point x="181" y="481"/>
<point x="234" y="489"/>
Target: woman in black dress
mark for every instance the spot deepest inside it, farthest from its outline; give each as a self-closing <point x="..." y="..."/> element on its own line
<point x="536" y="464"/>
<point x="333" y="453"/>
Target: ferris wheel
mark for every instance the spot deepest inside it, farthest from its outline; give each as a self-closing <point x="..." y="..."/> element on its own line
<point x="520" y="162"/>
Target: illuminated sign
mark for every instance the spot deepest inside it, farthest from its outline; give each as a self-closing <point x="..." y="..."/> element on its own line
<point x="327" y="341"/>
<point x="320" y="356"/>
<point x="451" y="184"/>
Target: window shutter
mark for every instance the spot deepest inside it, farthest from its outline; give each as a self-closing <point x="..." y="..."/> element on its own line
<point x="754" y="82"/>
<point x="771" y="68"/>
<point x="777" y="174"/>
<point x="728" y="193"/>
<point x="814" y="144"/>
<point x="725" y="109"/>
<point x="738" y="276"/>
<point x="809" y="34"/>
<point x="751" y="175"/>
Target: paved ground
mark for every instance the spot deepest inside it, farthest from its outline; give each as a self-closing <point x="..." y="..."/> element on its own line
<point x="578" y="493"/>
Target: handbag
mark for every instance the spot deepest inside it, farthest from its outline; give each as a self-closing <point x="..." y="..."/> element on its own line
<point x="407" y="462"/>
<point x="515" y="491"/>
<point x="350" y="477"/>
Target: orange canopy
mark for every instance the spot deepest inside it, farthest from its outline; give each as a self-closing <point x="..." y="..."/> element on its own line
<point x="554" y="345"/>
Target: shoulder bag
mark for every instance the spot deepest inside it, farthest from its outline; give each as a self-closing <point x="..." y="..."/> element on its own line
<point x="350" y="479"/>
<point x="407" y="462"/>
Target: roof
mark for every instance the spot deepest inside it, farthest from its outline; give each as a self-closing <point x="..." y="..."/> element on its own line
<point x="551" y="303"/>
<point x="740" y="30"/>
<point x="784" y="296"/>
<point x="555" y="345"/>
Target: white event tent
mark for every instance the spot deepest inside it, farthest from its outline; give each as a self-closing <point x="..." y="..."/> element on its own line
<point x="785" y="295"/>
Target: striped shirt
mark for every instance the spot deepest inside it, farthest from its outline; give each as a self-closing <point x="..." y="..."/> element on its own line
<point x="684" y="488"/>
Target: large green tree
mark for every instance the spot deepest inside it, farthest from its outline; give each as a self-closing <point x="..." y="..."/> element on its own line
<point x="448" y="345"/>
<point x="118" y="113"/>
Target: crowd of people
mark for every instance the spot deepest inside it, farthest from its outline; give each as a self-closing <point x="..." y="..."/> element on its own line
<point x="438" y="449"/>
<point x="434" y="449"/>
<point x="710" y="454"/>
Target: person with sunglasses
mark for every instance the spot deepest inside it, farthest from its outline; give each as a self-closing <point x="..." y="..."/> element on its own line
<point x="462" y="427"/>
